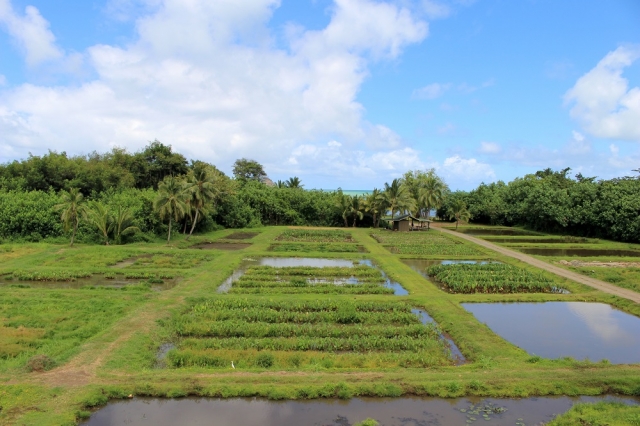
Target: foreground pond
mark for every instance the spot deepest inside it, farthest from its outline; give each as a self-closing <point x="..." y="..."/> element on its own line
<point x="559" y="329"/>
<point x="389" y="412"/>
<point x="578" y="252"/>
<point x="287" y="262"/>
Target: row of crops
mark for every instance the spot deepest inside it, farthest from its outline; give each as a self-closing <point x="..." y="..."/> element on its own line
<point x="317" y="247"/>
<point x="258" y="333"/>
<point x="490" y="278"/>
<point x="316" y="236"/>
<point x="360" y="279"/>
<point x="424" y="243"/>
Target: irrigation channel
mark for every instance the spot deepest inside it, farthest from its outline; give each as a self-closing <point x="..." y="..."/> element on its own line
<point x="389" y="412"/>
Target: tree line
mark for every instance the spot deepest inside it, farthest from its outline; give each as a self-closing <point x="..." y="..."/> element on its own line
<point x="120" y="197"/>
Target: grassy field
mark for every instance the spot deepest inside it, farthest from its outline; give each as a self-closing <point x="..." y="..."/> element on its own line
<point x="287" y="337"/>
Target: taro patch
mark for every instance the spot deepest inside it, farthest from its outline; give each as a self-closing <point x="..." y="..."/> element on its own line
<point x="316" y="236"/>
<point x="302" y="335"/>
<point x="317" y="247"/>
<point x="490" y="278"/>
<point x="427" y="243"/>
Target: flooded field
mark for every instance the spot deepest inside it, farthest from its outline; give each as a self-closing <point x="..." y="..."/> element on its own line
<point x="93" y="281"/>
<point x="389" y="412"/>
<point x="421" y="265"/>
<point x="456" y="355"/>
<point x="292" y="262"/>
<point x="580" y="330"/>
<point x="242" y="235"/>
<point x="579" y="252"/>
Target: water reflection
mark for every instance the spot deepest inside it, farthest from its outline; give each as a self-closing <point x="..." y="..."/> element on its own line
<point x="389" y="412"/>
<point x="557" y="329"/>
<point x="284" y="262"/>
<point x="421" y="265"/>
<point x="456" y="354"/>
<point x="578" y="252"/>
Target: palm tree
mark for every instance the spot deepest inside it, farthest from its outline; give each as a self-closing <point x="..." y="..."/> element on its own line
<point x="281" y="184"/>
<point x="124" y="224"/>
<point x="343" y="204"/>
<point x="170" y="201"/>
<point x="355" y="208"/>
<point x="458" y="211"/>
<point x="294" y="183"/>
<point x="374" y="204"/>
<point x="100" y="216"/>
<point x="431" y="194"/>
<point x="73" y="208"/>
<point x="397" y="197"/>
<point x="202" y="190"/>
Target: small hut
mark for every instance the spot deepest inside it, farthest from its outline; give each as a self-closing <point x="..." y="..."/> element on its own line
<point x="408" y="222"/>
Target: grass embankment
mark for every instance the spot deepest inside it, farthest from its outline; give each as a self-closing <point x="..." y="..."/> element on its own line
<point x="120" y="358"/>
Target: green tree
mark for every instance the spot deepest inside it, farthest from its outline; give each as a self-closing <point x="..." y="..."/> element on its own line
<point x="458" y="211"/>
<point x="124" y="223"/>
<point x="431" y="193"/>
<point x="98" y="214"/>
<point x="356" y="208"/>
<point x="154" y="163"/>
<point x="342" y="202"/>
<point x="245" y="169"/>
<point x="397" y="197"/>
<point x="374" y="203"/>
<point x="202" y="189"/>
<point x="170" y="202"/>
<point x="73" y="209"/>
<point x="294" y="183"/>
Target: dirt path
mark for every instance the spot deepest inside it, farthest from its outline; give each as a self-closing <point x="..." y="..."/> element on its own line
<point x="582" y="279"/>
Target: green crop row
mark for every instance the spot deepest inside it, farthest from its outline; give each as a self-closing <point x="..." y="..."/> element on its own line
<point x="202" y="306"/>
<point x="316" y="289"/>
<point x="435" y="250"/>
<point x="316" y="236"/>
<point x="46" y="276"/>
<point x="490" y="278"/>
<point x="236" y="328"/>
<point x="413" y="238"/>
<point x="328" y="272"/>
<point x="317" y="247"/>
<point x="324" y="344"/>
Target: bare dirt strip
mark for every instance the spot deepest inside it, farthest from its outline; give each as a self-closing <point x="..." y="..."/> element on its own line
<point x="591" y="282"/>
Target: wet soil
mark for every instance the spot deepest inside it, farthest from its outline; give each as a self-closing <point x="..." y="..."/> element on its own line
<point x="538" y="251"/>
<point x="579" y="264"/>
<point x="241" y="235"/>
<point x="222" y="246"/>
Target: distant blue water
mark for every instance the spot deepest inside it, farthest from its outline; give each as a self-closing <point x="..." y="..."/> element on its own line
<point x="352" y="192"/>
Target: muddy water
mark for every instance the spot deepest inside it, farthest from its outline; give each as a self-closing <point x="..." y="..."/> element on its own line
<point x="284" y="262"/>
<point x="558" y="329"/>
<point x="221" y="246"/>
<point x="578" y="252"/>
<point x="94" y="281"/>
<point x="456" y="355"/>
<point x="242" y="235"/>
<point x="389" y="412"/>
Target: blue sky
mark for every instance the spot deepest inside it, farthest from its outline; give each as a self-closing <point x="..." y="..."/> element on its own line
<point x="344" y="93"/>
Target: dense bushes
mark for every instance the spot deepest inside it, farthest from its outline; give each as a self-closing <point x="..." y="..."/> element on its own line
<point x="550" y="201"/>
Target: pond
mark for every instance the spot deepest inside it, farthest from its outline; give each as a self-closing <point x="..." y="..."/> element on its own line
<point x="565" y="329"/>
<point x="578" y="252"/>
<point x="456" y="355"/>
<point x="285" y="262"/>
<point x="387" y="411"/>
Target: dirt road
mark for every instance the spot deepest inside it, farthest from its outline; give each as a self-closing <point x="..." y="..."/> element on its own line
<point x="582" y="279"/>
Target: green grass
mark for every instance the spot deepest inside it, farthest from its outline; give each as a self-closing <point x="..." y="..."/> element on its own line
<point x="599" y="414"/>
<point x="56" y="323"/>
<point x="284" y="345"/>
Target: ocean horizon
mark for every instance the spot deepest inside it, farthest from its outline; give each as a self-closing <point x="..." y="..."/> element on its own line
<point x="352" y="192"/>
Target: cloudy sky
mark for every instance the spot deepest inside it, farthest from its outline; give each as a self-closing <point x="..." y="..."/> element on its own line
<point x="343" y="93"/>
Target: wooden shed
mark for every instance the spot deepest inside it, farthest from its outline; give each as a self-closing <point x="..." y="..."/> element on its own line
<point x="408" y="222"/>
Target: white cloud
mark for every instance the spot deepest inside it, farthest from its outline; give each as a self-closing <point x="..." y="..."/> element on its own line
<point x="466" y="170"/>
<point x="490" y="148"/>
<point x="31" y="33"/>
<point x="435" y="10"/>
<point x="3" y="80"/>
<point x="206" y="78"/>
<point x="614" y="149"/>
<point x="602" y="101"/>
<point x="431" y="91"/>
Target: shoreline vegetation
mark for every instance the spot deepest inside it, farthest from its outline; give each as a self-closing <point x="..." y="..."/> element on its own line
<point x="65" y="351"/>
